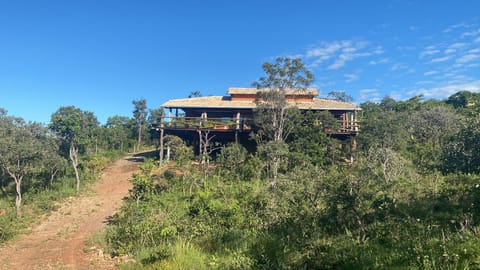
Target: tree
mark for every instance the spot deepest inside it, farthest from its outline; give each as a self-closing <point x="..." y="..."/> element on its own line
<point x="194" y="94"/>
<point x="140" y="116"/>
<point x="309" y="142"/>
<point x="286" y="73"/>
<point x="460" y="99"/>
<point x="20" y="148"/>
<point x="74" y="127"/>
<point x="119" y="130"/>
<point x="461" y="152"/>
<point x="430" y="127"/>
<point x="340" y="96"/>
<point x="52" y="162"/>
<point x="273" y="115"/>
<point x="382" y="126"/>
<point x="156" y="119"/>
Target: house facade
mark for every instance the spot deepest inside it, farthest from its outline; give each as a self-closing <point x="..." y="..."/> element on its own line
<point x="231" y="116"/>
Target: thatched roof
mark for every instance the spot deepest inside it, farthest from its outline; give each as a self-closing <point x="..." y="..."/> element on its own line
<point x="227" y="103"/>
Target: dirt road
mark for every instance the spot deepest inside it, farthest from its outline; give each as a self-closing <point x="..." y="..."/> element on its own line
<point x="59" y="241"/>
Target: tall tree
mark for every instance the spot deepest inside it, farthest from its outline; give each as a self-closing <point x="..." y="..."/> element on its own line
<point x="340" y="96"/>
<point x="194" y="94"/>
<point x="140" y="116"/>
<point x="75" y="128"/>
<point x="273" y="114"/>
<point x="20" y="147"/>
<point x="156" y="119"/>
<point x="119" y="130"/>
<point x="461" y="152"/>
<point x="53" y="163"/>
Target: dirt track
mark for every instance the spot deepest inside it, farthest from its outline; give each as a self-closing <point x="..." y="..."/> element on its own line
<point x="58" y="242"/>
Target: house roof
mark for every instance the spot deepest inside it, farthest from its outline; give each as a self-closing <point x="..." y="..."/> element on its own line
<point x="226" y="103"/>
<point x="253" y="91"/>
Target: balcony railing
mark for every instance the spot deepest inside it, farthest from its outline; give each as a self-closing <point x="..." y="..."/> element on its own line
<point x="238" y="124"/>
<point x="220" y="124"/>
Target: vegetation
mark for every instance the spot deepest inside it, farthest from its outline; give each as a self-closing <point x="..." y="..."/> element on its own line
<point x="273" y="115"/>
<point x="408" y="201"/>
<point x="40" y="164"/>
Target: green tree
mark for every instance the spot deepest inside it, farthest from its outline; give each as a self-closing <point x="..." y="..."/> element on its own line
<point x="340" y="96"/>
<point x="309" y="142"/>
<point x="461" y="152"/>
<point x="119" y="132"/>
<point x="52" y="162"/>
<point x="20" y="148"/>
<point x="383" y="126"/>
<point x="273" y="115"/>
<point x="75" y="128"/>
<point x="429" y="129"/>
<point x="140" y="117"/>
<point x="194" y="94"/>
<point x="461" y="99"/>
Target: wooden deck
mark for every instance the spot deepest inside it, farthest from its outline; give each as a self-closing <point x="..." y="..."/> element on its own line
<point x="224" y="124"/>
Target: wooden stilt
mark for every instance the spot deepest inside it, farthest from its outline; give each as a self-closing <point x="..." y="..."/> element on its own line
<point x="160" y="157"/>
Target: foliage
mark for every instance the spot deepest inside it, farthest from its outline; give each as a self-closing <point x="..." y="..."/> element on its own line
<point x="118" y="132"/>
<point x="36" y="156"/>
<point x="76" y="129"/>
<point x="21" y="147"/>
<point x="274" y="117"/>
<point x="462" y="151"/>
<point x="140" y="118"/>
<point x="309" y="142"/>
<point x="409" y="201"/>
<point x="339" y="96"/>
<point x="285" y="73"/>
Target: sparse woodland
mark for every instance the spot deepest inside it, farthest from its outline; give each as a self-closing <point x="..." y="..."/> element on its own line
<point x="42" y="164"/>
<point x="410" y="199"/>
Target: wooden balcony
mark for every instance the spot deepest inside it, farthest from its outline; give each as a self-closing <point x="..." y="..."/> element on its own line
<point x="225" y="124"/>
<point x="215" y="124"/>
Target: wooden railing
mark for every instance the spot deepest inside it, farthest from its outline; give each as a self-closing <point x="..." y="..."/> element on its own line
<point x="237" y="124"/>
<point x="224" y="123"/>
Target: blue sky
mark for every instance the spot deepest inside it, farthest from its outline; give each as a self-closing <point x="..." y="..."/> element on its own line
<point x="100" y="55"/>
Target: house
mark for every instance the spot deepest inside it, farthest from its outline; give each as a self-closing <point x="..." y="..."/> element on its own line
<point x="230" y="118"/>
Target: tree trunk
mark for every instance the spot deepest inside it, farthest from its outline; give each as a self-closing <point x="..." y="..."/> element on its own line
<point x="18" y="190"/>
<point x="160" y="158"/>
<point x="74" y="159"/>
<point x="18" y="197"/>
<point x="139" y="142"/>
<point x="52" y="176"/>
<point x="276" y="165"/>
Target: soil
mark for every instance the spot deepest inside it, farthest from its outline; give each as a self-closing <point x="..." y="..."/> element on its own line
<point x="61" y="239"/>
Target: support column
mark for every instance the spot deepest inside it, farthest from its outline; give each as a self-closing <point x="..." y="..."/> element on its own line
<point x="353" y="149"/>
<point x="160" y="158"/>
<point x="355" y="119"/>
<point x="237" y="121"/>
<point x="352" y="122"/>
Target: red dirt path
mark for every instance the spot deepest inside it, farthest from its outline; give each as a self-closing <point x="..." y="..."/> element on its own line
<point x="59" y="241"/>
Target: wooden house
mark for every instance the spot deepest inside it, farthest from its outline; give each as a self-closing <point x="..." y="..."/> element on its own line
<point x="230" y="117"/>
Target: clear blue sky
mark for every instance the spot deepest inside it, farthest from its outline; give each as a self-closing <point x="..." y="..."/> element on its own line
<point x="99" y="55"/>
